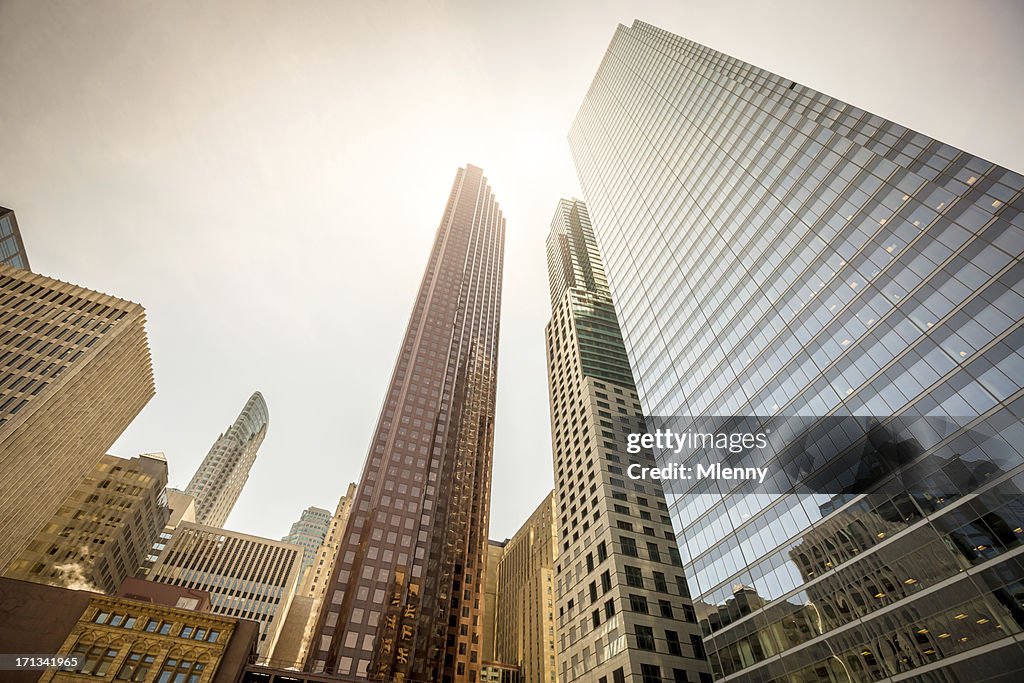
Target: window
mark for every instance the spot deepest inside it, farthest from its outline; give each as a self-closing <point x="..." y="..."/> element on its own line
<point x="135" y="668"/>
<point x="596" y="617"/>
<point x="628" y="546"/>
<point x="645" y="638"/>
<point x="650" y="673"/>
<point x="180" y="671"/>
<point x="698" y="647"/>
<point x="606" y="581"/>
<point x="634" y="577"/>
<point x="684" y="590"/>
<point x="593" y="591"/>
<point x="679" y="676"/>
<point x="619" y="676"/>
<point x="638" y="603"/>
<point x="101" y="617"/>
<point x="609" y="609"/>
<point x="652" y="552"/>
<point x="665" y="607"/>
<point x="659" y="583"/>
<point x="602" y="552"/>
<point x="93" y="660"/>
<point x="672" y="638"/>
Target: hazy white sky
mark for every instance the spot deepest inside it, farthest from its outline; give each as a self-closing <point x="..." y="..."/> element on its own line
<point x="266" y="178"/>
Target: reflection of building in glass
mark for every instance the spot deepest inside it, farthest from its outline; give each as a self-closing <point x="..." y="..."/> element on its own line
<point x="247" y="576"/>
<point x="74" y="372"/>
<point x="406" y="596"/>
<point x="218" y="482"/>
<point x="103" y="531"/>
<point x="12" y="248"/>
<point x="622" y="605"/>
<point x="774" y="251"/>
<point x="524" y="615"/>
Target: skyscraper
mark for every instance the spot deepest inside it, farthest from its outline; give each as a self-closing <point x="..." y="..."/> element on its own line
<point x="12" y="248"/>
<point x="406" y="593"/>
<point x="622" y="607"/>
<point x="308" y="532"/>
<point x="247" y="576"/>
<point x="776" y="252"/>
<point x="220" y="478"/>
<point x="524" y="619"/>
<point x="74" y="372"/>
<point x="103" y="531"/>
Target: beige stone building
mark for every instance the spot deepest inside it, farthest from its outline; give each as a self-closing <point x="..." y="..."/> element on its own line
<point x="74" y="372"/>
<point x="103" y="530"/>
<point x="247" y="576"/>
<point x="293" y="643"/>
<point x="495" y="551"/>
<point x="623" y="611"/>
<point x="524" y="618"/>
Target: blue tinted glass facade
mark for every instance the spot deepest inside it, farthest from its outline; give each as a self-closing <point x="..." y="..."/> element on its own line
<point x="774" y="251"/>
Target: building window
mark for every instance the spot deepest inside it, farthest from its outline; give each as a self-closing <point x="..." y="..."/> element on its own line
<point x="680" y="676"/>
<point x="619" y="676"/>
<point x="653" y="553"/>
<point x="628" y="546"/>
<point x="180" y="671"/>
<point x="698" y="647"/>
<point x="666" y="608"/>
<point x="606" y="581"/>
<point x="93" y="660"/>
<point x="609" y="609"/>
<point x="634" y="577"/>
<point x="602" y="552"/>
<point x="135" y="668"/>
<point x="638" y="603"/>
<point x="650" y="673"/>
<point x="660" y="584"/>
<point x="672" y="638"/>
<point x="645" y="638"/>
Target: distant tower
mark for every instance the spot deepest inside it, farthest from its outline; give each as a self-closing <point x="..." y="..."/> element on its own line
<point x="219" y="480"/>
<point x="308" y="532"/>
<point x="407" y="590"/>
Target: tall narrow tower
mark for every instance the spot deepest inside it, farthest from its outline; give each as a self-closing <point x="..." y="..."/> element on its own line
<point x="219" y="480"/>
<point x="407" y="589"/>
<point x="622" y="605"/>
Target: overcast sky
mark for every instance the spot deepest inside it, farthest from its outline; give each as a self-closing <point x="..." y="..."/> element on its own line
<point x="266" y="179"/>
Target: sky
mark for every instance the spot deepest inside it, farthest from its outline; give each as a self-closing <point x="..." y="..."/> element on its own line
<point x="266" y="179"/>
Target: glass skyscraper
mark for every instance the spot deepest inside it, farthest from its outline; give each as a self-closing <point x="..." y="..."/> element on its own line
<point x="772" y="252"/>
<point x="405" y="598"/>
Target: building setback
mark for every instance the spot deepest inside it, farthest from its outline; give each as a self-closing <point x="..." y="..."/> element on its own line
<point x="103" y="531"/>
<point x="524" y="630"/>
<point x="623" y="610"/>
<point x="406" y="595"/>
<point x="181" y="508"/>
<point x="774" y="251"/>
<point x="74" y="372"/>
<point x="247" y="576"/>
<point x="12" y="248"/>
<point x="218" y="482"/>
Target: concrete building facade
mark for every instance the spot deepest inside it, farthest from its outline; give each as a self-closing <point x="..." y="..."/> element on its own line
<point x="74" y="372"/>
<point x="103" y="531"/>
<point x="524" y="619"/>
<point x="623" y="610"/>
<point x="247" y="576"/>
